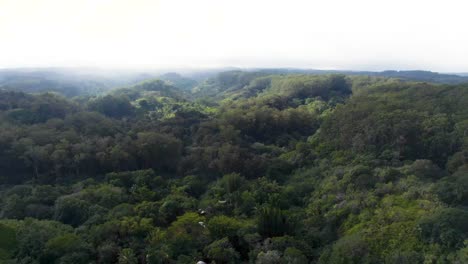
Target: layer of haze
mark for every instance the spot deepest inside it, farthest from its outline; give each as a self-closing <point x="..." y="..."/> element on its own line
<point x="325" y="34"/>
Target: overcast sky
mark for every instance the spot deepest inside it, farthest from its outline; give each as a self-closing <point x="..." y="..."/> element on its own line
<point x="323" y="34"/>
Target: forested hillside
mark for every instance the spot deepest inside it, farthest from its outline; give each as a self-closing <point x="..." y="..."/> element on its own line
<point x="75" y="82"/>
<point x="243" y="167"/>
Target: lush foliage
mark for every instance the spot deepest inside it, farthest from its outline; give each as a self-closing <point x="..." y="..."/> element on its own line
<point x="246" y="167"/>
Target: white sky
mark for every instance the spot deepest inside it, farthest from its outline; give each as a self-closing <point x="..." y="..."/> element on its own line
<point x="324" y="34"/>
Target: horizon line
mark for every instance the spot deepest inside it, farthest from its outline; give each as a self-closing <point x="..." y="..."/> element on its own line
<point x="205" y="68"/>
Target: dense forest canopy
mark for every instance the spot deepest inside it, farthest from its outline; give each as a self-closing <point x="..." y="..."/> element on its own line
<point x="267" y="166"/>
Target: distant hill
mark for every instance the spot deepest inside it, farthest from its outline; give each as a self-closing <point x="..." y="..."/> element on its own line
<point x="226" y="82"/>
<point x="68" y="82"/>
<point x="414" y="75"/>
<point x="178" y="80"/>
<point x="462" y="74"/>
<point x="425" y="76"/>
<point x="153" y="87"/>
<point x="72" y="82"/>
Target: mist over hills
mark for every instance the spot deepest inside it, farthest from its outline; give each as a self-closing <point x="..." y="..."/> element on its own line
<point x="89" y="81"/>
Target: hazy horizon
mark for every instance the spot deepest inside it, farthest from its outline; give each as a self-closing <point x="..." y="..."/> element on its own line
<point x="97" y="70"/>
<point x="329" y="35"/>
